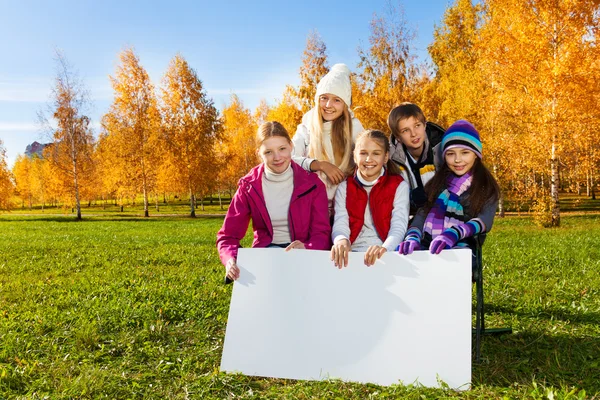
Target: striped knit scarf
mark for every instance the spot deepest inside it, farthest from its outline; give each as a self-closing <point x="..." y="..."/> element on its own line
<point x="447" y="210"/>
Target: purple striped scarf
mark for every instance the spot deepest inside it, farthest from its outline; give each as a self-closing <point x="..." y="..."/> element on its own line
<point x="447" y="210"/>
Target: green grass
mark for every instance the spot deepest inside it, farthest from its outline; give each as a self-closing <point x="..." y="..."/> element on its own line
<point x="115" y="307"/>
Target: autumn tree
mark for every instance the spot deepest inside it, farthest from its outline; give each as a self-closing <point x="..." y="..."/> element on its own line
<point x="385" y="68"/>
<point x="540" y="50"/>
<point x="40" y="175"/>
<point x="314" y="67"/>
<point x="286" y="113"/>
<point x="238" y="147"/>
<point x="23" y="180"/>
<point x="261" y="112"/>
<point x="454" y="53"/>
<point x="191" y="126"/>
<point x="73" y="141"/>
<point x="132" y="124"/>
<point x="6" y="184"/>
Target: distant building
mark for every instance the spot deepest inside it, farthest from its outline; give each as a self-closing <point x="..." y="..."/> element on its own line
<point x="35" y="148"/>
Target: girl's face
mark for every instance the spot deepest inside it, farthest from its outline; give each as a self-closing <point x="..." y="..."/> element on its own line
<point x="412" y="134"/>
<point x="370" y="157"/>
<point x="276" y="153"/>
<point x="332" y="107"/>
<point x="459" y="160"/>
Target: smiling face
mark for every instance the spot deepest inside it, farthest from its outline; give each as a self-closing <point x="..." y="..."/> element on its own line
<point x="370" y="157"/>
<point x="460" y="160"/>
<point x="332" y="107"/>
<point x="276" y="153"/>
<point x="412" y="135"/>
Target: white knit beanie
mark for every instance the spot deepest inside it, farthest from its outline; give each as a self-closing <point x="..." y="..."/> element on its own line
<point x="336" y="82"/>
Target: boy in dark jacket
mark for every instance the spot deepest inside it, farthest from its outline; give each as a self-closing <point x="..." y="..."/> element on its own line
<point x="414" y="147"/>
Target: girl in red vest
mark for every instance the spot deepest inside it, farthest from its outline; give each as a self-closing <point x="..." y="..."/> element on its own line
<point x="371" y="206"/>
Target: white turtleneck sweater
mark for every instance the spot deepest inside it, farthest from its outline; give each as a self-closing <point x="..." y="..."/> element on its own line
<point x="277" y="190"/>
<point x="368" y="235"/>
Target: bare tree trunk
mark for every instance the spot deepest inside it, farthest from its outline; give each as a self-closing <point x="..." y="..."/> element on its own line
<point x="554" y="187"/>
<point x="156" y="200"/>
<point x="501" y="199"/>
<point x="192" y="204"/>
<point x="220" y="200"/>
<point x="593" y="185"/>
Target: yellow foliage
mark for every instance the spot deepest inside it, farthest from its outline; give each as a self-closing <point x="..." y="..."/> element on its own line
<point x="237" y="148"/>
<point x="286" y="113"/>
<point x="132" y="126"/>
<point x="191" y="127"/>
<point x="314" y="67"/>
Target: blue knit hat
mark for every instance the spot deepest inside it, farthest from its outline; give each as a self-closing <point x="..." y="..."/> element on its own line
<point x="462" y="134"/>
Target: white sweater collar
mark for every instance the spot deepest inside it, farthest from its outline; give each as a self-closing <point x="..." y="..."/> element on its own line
<point x="364" y="182"/>
<point x="275" y="177"/>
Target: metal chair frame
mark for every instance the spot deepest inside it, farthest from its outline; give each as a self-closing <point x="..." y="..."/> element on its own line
<point x="480" y="328"/>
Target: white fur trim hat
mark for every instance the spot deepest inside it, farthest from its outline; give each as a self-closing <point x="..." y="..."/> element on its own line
<point x="336" y="82"/>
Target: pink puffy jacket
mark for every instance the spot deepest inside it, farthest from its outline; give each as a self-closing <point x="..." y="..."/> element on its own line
<point x="308" y="214"/>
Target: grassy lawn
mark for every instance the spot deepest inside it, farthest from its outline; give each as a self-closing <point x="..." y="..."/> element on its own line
<point x="122" y="307"/>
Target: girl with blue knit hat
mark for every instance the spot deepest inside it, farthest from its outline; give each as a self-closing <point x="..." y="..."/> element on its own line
<point x="462" y="196"/>
<point x="323" y="141"/>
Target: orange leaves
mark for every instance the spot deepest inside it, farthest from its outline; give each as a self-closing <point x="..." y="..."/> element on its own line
<point x="6" y="185"/>
<point x="238" y="148"/>
<point x="314" y="67"/>
<point x="190" y="128"/>
<point x="132" y="126"/>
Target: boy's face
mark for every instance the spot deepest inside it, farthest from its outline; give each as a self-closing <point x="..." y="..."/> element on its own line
<point x="412" y="133"/>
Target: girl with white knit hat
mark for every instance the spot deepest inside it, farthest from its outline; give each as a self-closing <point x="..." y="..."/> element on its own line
<point x="323" y="141"/>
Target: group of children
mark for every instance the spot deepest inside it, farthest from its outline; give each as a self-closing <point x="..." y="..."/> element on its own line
<point x="338" y="187"/>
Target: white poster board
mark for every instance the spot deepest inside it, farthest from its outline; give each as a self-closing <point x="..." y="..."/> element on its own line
<point x="407" y="319"/>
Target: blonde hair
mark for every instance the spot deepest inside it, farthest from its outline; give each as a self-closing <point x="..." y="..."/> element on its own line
<point x="270" y="129"/>
<point x="341" y="139"/>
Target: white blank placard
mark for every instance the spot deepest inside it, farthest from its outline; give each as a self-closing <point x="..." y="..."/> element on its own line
<point x="407" y="319"/>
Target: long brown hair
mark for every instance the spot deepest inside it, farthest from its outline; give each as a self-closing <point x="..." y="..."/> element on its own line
<point x="381" y="139"/>
<point x="484" y="187"/>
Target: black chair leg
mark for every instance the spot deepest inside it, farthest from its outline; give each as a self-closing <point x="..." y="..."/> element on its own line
<point x="479" y="318"/>
<point x="480" y="329"/>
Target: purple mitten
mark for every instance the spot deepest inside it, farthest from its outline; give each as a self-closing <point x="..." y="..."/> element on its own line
<point x="408" y="246"/>
<point x="446" y="240"/>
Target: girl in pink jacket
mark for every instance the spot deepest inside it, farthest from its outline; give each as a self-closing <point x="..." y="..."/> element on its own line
<point x="287" y="205"/>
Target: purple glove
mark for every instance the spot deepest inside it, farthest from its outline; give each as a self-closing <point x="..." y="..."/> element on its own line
<point x="408" y="246"/>
<point x="446" y="240"/>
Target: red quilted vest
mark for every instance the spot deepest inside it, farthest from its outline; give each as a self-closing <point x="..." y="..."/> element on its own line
<point x="381" y="204"/>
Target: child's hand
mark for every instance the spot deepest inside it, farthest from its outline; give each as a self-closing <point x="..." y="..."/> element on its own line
<point x="373" y="254"/>
<point x="408" y="246"/>
<point x="233" y="271"/>
<point x="440" y="243"/>
<point x="334" y="174"/>
<point x="339" y="253"/>
<point x="296" y="244"/>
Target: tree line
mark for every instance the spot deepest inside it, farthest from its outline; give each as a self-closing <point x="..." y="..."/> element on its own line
<point x="524" y="72"/>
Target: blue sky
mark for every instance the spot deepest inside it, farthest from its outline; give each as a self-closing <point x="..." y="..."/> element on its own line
<point x="250" y="48"/>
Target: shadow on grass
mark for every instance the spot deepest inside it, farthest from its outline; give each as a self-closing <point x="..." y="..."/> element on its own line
<point x="556" y="360"/>
<point x="549" y="314"/>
